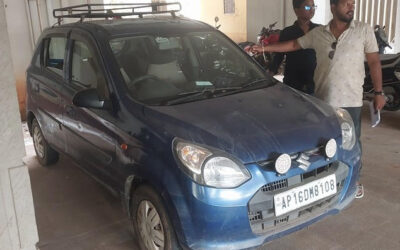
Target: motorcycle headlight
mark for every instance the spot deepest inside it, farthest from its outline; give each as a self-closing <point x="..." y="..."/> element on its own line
<point x="348" y="129"/>
<point x="208" y="168"/>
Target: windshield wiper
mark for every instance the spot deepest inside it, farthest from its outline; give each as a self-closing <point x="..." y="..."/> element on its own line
<point x="193" y="95"/>
<point x="252" y="83"/>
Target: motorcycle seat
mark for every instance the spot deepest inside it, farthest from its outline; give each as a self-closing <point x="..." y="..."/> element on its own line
<point x="388" y="58"/>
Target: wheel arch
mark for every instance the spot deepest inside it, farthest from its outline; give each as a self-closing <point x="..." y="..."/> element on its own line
<point x="29" y="119"/>
<point x="132" y="183"/>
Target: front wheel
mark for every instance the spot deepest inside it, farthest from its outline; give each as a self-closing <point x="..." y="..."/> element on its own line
<point x="151" y="224"/>
<point x="392" y="94"/>
<point x="44" y="153"/>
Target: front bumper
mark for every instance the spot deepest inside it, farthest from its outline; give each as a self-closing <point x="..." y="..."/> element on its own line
<point x="244" y="217"/>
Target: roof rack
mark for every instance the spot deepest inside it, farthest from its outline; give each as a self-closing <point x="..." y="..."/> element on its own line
<point x="115" y="10"/>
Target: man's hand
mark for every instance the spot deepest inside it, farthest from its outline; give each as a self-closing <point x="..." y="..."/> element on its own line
<point x="379" y="102"/>
<point x="256" y="49"/>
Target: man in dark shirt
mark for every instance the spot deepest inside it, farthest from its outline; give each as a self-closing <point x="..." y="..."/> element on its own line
<point x="300" y="65"/>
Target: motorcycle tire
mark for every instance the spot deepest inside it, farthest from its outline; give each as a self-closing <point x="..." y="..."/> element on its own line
<point x="392" y="93"/>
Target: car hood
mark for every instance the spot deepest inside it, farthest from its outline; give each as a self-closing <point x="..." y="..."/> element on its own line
<point x="253" y="125"/>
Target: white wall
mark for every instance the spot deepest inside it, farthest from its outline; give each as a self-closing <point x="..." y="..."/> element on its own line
<point x="261" y="13"/>
<point x="21" y="44"/>
<point x="17" y="217"/>
<point x="232" y="24"/>
<point x="323" y="13"/>
<point x="290" y="16"/>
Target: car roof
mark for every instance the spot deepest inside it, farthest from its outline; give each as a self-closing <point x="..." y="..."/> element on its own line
<point x="149" y="24"/>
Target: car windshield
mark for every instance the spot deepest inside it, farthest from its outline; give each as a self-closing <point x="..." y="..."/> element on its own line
<point x="167" y="70"/>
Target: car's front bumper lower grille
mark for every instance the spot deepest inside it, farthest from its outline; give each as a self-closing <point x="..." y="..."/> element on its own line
<point x="261" y="209"/>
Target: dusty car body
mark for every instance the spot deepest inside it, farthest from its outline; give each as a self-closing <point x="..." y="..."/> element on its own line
<point x="205" y="149"/>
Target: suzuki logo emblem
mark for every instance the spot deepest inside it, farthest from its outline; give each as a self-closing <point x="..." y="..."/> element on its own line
<point x="303" y="161"/>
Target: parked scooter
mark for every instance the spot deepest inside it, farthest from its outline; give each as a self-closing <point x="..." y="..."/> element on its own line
<point x="390" y="73"/>
<point x="267" y="36"/>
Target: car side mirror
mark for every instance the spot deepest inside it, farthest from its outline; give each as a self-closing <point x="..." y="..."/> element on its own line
<point x="89" y="98"/>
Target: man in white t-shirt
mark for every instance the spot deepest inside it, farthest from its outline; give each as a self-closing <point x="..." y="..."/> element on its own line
<point x="340" y="48"/>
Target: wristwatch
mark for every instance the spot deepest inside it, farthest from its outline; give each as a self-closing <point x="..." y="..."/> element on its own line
<point x="379" y="93"/>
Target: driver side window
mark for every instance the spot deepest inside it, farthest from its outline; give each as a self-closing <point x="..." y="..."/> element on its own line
<point x="85" y="70"/>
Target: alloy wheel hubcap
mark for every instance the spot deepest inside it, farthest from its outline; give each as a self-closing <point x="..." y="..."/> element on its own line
<point x="38" y="142"/>
<point x="150" y="227"/>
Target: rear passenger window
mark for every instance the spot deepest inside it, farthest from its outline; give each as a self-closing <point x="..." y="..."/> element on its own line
<point x="55" y="54"/>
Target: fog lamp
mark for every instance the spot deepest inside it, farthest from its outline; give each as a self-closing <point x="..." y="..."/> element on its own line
<point x="330" y="148"/>
<point x="283" y="163"/>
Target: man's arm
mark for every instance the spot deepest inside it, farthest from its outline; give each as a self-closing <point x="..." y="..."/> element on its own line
<point x="287" y="46"/>
<point x="375" y="70"/>
<point x="278" y="57"/>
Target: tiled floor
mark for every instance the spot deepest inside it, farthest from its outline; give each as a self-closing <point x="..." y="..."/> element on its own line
<point x="74" y="212"/>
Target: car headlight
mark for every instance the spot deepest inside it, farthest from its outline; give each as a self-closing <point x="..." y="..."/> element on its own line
<point x="210" y="168"/>
<point x="348" y="129"/>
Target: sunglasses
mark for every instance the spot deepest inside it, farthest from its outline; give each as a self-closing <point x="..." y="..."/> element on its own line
<point x="332" y="52"/>
<point x="308" y="7"/>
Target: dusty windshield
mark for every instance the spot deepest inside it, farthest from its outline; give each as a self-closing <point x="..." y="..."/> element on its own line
<point x="167" y="70"/>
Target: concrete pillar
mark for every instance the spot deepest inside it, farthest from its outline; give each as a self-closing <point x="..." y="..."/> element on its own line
<point x="19" y="33"/>
<point x="17" y="217"/>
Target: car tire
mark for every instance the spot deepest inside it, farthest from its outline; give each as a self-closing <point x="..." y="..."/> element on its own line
<point x="44" y="153"/>
<point x="151" y="224"/>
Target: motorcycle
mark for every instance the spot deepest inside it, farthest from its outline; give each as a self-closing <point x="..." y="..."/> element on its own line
<point x="266" y="36"/>
<point x="390" y="73"/>
<point x="381" y="38"/>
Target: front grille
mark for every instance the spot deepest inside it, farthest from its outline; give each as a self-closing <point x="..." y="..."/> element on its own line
<point x="255" y="216"/>
<point x="316" y="172"/>
<point x="277" y="185"/>
<point x="261" y="209"/>
<point x="317" y="206"/>
<point x="281" y="220"/>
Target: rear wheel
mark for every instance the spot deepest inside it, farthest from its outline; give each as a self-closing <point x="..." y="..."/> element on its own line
<point x="44" y="153"/>
<point x="392" y="94"/>
<point x="151" y="224"/>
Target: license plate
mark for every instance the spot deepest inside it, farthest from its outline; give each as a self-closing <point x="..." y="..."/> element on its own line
<point x="304" y="195"/>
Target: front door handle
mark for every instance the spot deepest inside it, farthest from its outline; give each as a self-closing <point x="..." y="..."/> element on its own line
<point x="36" y="88"/>
<point x="70" y="110"/>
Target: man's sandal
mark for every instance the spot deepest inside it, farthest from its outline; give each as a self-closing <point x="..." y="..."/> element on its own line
<point x="360" y="191"/>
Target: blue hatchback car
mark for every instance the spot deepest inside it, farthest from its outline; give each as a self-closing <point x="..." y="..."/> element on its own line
<point x="205" y="149"/>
